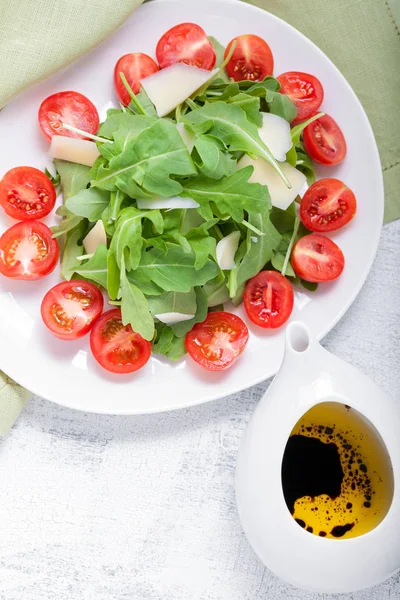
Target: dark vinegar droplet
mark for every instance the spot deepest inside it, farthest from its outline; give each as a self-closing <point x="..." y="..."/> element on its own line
<point x="349" y="505"/>
<point x="367" y="504"/>
<point x="310" y="529"/>
<point x="310" y="468"/>
<point x="300" y="522"/>
<point x="322" y="533"/>
<point x="341" y="530"/>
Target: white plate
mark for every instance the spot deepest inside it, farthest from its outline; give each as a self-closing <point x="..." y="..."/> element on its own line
<point x="65" y="372"/>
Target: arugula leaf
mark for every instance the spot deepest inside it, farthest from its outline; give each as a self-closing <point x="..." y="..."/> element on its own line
<point x="217" y="293"/>
<point x="215" y="162"/>
<point x="181" y="329"/>
<point x="250" y="105"/>
<point x="140" y="279"/>
<point x="123" y="122"/>
<point x="305" y="164"/>
<point x="73" y="177"/>
<point x="168" y="344"/>
<point x="277" y="262"/>
<point x="291" y="155"/>
<point x="72" y="248"/>
<point x="259" y="253"/>
<point x="203" y="245"/>
<point x="150" y="159"/>
<point x="309" y="285"/>
<point x="174" y="271"/>
<point x="219" y="51"/>
<point x="55" y="179"/>
<point x="68" y="223"/>
<point x="95" y="268"/>
<point x="277" y="103"/>
<point x="145" y="102"/>
<point x="231" y="195"/>
<point x="127" y="240"/>
<point x="229" y="123"/>
<point x="180" y="302"/>
<point x="135" y="309"/>
<point x="88" y="203"/>
<point x="113" y="276"/>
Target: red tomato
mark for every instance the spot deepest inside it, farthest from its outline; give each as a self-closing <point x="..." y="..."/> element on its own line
<point x="187" y="43"/>
<point x="324" y="141"/>
<point x="218" y="342"/>
<point x="135" y="67"/>
<point x="70" y="308"/>
<point x="27" y="194"/>
<point x="71" y="108"/>
<point x="269" y="299"/>
<point x="252" y="59"/>
<point x="116" y="347"/>
<point x="305" y="91"/>
<point x="316" y="258"/>
<point x="27" y="251"/>
<point x="328" y="204"/>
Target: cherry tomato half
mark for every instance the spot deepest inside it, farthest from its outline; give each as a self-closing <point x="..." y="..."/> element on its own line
<point x="135" y="67"/>
<point x="317" y="258"/>
<point x="70" y="308"/>
<point x="116" y="347"/>
<point x="305" y="91"/>
<point x="324" y="141"/>
<point x="27" y="251"/>
<point x="252" y="59"/>
<point x="187" y="43"/>
<point x="71" y="108"/>
<point x="269" y="299"/>
<point x="218" y="342"/>
<point x="328" y="204"/>
<point x="26" y="194"/>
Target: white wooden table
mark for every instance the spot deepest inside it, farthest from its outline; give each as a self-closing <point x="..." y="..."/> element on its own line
<point x="143" y="508"/>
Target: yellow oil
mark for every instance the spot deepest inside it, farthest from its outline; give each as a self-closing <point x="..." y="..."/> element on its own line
<point x="347" y="459"/>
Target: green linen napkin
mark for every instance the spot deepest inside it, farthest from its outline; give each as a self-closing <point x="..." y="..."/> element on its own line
<point x="12" y="400"/>
<point x="39" y="37"/>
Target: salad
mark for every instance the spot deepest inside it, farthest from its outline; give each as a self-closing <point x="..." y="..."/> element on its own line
<point x="198" y="192"/>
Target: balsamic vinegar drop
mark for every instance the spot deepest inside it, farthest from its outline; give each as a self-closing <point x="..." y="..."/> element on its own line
<point x="336" y="473"/>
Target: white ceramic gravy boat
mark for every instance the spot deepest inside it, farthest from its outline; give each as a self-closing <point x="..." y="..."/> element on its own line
<point x="310" y="375"/>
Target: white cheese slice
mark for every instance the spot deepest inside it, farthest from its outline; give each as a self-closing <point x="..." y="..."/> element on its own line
<point x="173" y="85"/>
<point x="275" y="133"/>
<point x="187" y="136"/>
<point x="74" y="150"/>
<point x="173" y="317"/>
<point x="95" y="238"/>
<point x="264" y="173"/>
<point x="226" y="250"/>
<point x="170" y="203"/>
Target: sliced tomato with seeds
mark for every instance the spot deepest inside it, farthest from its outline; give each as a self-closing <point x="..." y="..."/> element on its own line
<point x="251" y="60"/>
<point x="216" y="343"/>
<point x="186" y="43"/>
<point x="115" y="346"/>
<point x="70" y="308"/>
<point x="317" y="258"/>
<point x="269" y="299"/>
<point x="328" y="204"/>
<point x="135" y="67"/>
<point x="28" y="251"/>
<point x="304" y="90"/>
<point x="71" y="108"/>
<point x="27" y="194"/>
<point x="324" y="141"/>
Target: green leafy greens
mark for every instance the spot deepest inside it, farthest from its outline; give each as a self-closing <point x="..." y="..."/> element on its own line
<point x="160" y="261"/>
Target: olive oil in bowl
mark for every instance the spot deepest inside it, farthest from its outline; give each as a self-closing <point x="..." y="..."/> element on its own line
<point x="336" y="473"/>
